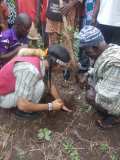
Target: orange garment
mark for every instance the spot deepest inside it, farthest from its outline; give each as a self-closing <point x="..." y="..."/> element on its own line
<point x="55" y="28"/>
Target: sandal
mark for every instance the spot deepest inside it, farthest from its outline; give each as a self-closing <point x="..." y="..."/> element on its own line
<point x="26" y="115"/>
<point x="108" y="122"/>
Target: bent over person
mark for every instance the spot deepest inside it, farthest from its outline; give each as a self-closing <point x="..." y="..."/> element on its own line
<point x="22" y="84"/>
<point x="104" y="92"/>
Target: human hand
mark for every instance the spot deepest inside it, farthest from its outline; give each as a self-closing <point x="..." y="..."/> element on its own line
<point x="83" y="78"/>
<point x="59" y="104"/>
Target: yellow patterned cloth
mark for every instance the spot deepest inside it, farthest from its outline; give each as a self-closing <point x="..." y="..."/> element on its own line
<point x="32" y="52"/>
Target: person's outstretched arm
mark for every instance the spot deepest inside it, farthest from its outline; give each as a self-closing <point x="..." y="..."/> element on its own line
<point x="28" y="106"/>
<point x="26" y="80"/>
<point x="12" y="53"/>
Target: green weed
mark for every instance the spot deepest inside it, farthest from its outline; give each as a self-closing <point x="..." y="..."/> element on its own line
<point x="115" y="156"/>
<point x="86" y="108"/>
<point x="104" y="147"/>
<point x="72" y="152"/>
<point x="44" y="134"/>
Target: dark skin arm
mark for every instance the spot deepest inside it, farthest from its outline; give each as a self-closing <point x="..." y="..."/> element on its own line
<point x="67" y="6"/>
<point x="11" y="54"/>
<point x="53" y="91"/>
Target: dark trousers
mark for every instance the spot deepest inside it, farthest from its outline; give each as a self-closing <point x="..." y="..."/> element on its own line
<point x="110" y="33"/>
<point x="84" y="60"/>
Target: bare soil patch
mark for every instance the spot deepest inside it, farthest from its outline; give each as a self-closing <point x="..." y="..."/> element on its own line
<point x="18" y="138"/>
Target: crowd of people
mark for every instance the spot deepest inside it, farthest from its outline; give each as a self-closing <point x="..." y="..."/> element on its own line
<point x="25" y="71"/>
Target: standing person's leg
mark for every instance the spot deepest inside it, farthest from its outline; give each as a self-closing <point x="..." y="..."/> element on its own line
<point x="53" y="29"/>
<point x="44" y="35"/>
<point x="53" y="38"/>
<point x="84" y="61"/>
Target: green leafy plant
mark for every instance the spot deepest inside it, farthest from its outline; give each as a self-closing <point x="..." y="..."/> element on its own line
<point x="115" y="156"/>
<point x="44" y="134"/>
<point x="86" y="108"/>
<point x="20" y="154"/>
<point x="1" y="157"/>
<point x="104" y="147"/>
<point x="72" y="152"/>
<point x="70" y="29"/>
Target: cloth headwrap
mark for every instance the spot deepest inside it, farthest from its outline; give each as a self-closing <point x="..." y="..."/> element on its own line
<point x="90" y="36"/>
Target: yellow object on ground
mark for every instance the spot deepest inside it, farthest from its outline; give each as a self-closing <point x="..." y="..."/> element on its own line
<point x="33" y="52"/>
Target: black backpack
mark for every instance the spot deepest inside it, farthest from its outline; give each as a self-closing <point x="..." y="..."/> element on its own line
<point x="53" y="11"/>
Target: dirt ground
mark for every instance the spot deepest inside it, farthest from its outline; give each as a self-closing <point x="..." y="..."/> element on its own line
<point x="84" y="141"/>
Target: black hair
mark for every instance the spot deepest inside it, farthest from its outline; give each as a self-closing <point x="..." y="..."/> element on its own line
<point x="23" y="19"/>
<point x="59" y="52"/>
<point x="55" y="52"/>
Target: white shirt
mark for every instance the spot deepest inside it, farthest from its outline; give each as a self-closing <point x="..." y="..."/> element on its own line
<point x="109" y="13"/>
<point x="28" y="84"/>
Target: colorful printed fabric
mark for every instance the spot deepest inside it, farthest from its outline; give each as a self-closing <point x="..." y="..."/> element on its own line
<point x="89" y="6"/>
<point x="12" y="11"/>
<point x="107" y="79"/>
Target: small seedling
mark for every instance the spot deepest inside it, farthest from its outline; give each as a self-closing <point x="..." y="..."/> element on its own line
<point x="104" y="147"/>
<point x="20" y="155"/>
<point x="72" y="152"/>
<point x="70" y="29"/>
<point x="1" y="158"/>
<point x="115" y="156"/>
<point x="86" y="108"/>
<point x="44" y="134"/>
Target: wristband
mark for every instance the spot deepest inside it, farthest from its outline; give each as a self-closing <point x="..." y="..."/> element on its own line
<point x="50" y="106"/>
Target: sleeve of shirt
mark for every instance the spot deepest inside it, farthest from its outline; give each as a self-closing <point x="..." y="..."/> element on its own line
<point x="26" y="78"/>
<point x="108" y="90"/>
